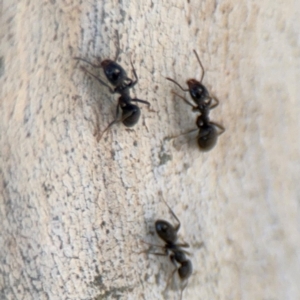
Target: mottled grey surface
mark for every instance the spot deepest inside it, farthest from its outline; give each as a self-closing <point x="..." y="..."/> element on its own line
<point x="73" y="212"/>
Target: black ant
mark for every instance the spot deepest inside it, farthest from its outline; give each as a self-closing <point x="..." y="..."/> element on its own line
<point x="168" y="233"/>
<point x="117" y="76"/>
<point x="208" y="133"/>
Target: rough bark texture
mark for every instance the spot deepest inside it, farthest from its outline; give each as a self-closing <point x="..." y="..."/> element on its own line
<point x="73" y="211"/>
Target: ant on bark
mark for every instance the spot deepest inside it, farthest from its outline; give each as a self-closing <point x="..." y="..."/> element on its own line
<point x="117" y="76"/>
<point x="168" y="233"/>
<point x="208" y="133"/>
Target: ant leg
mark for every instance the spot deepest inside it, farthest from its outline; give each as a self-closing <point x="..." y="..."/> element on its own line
<point x="170" y="79"/>
<point x="165" y="253"/>
<point x="184" y="245"/>
<point x="141" y="101"/>
<point x="219" y="126"/>
<point x="186" y="101"/>
<point x="98" y="79"/>
<point x="97" y="128"/>
<point x="155" y="253"/>
<point x="176" y="136"/>
<point x="159" y="246"/>
<point x="168" y="281"/>
<point x="216" y="102"/>
<point x="134" y="73"/>
<point x="158" y="253"/>
<point x="203" y="72"/>
<point x="183" y="290"/>
<point x="182" y="138"/>
<point x="110" y="124"/>
<point x="82" y="59"/>
<point x="124" y="117"/>
<point x="172" y="257"/>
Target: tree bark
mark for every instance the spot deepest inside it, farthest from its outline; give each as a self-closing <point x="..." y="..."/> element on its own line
<point x="74" y="213"/>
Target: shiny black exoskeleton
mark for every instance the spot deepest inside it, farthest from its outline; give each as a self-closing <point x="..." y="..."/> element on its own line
<point x="130" y="112"/>
<point x="168" y="233"/>
<point x="197" y="90"/>
<point x="115" y="74"/>
<point x="118" y="78"/>
<point x="208" y="131"/>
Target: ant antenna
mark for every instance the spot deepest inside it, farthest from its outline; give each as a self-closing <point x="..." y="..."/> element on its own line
<point x="173" y="214"/>
<point x="133" y="70"/>
<point x="185" y="100"/>
<point x="170" y="79"/>
<point x="98" y="79"/>
<point x="118" y="46"/>
<point x="203" y="72"/>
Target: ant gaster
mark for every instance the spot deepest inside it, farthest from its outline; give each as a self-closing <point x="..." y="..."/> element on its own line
<point x="168" y="233"/>
<point x="118" y="78"/>
<point x="208" y="133"/>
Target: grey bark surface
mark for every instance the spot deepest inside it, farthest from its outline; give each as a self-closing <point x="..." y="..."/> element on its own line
<point x="73" y="212"/>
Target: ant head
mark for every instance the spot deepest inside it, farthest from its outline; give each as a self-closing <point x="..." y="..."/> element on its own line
<point x="114" y="72"/>
<point x="197" y="91"/>
<point x="208" y="134"/>
<point x="166" y="231"/>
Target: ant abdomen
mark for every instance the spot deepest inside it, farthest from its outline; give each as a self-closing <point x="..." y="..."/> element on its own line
<point x="130" y="115"/>
<point x="208" y="132"/>
<point x="207" y="137"/>
<point x="185" y="270"/>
